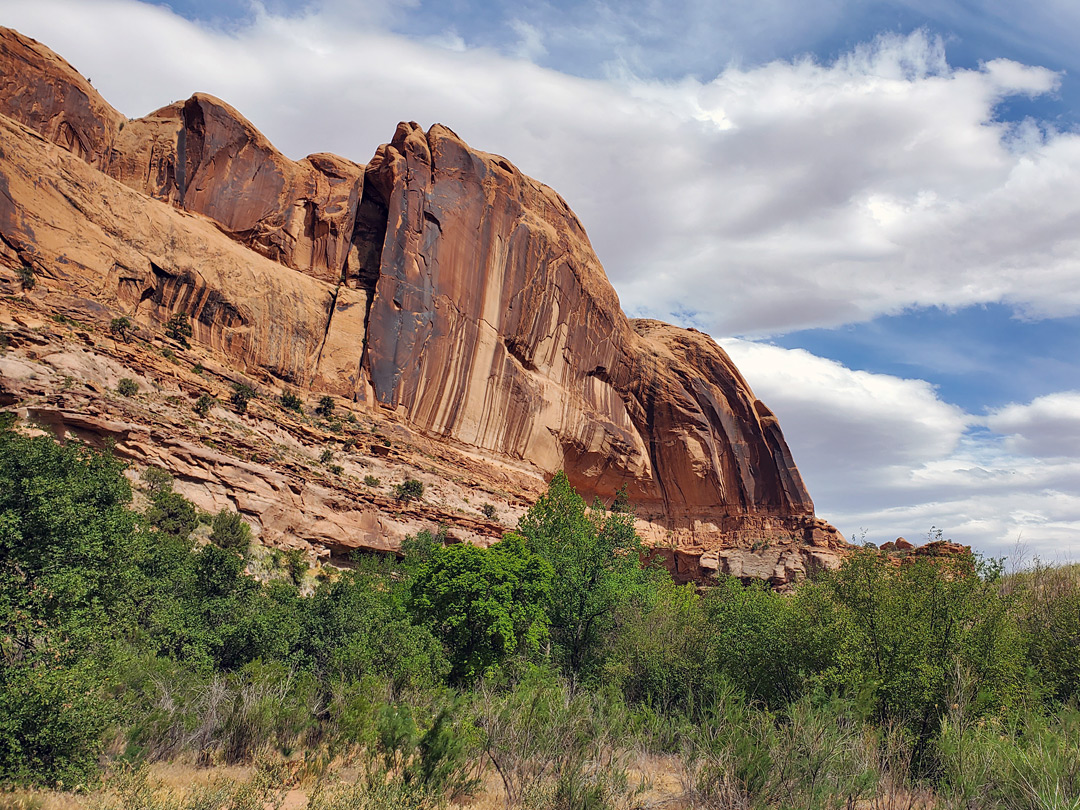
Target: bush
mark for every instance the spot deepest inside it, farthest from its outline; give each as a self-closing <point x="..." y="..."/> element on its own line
<point x="241" y="395"/>
<point x="489" y="511"/>
<point x="121" y="328"/>
<point x="157" y="480"/>
<point x="372" y="481"/>
<point x="325" y="408"/>
<point x="291" y="402"/>
<point x="326" y="456"/>
<point x="203" y="405"/>
<point x="127" y="387"/>
<point x="26" y="276"/>
<point x="409" y="490"/>
<point x="229" y="530"/>
<point x="178" y="328"/>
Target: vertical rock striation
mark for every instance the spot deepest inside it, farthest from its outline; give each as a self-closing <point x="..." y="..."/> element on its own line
<point x="438" y="283"/>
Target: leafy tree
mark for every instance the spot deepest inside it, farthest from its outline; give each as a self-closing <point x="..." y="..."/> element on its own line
<point x="596" y="558"/>
<point x="121" y="328"/>
<point x="127" y="387"/>
<point x="485" y="603"/>
<point x="66" y="536"/>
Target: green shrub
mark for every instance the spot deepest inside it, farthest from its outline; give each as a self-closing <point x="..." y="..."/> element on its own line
<point x="26" y="276"/>
<point x="326" y="456"/>
<point x="291" y="402"/>
<point x="156" y="480"/>
<point x="127" y="387"/>
<point x="178" y="328"/>
<point x="203" y="405"/>
<point x="295" y="565"/>
<point x="172" y="514"/>
<point x="229" y="530"/>
<point x="242" y="394"/>
<point x="325" y="408"/>
<point x="121" y="328"/>
<point x="409" y="490"/>
<point x="489" y="510"/>
<point x="372" y="481"/>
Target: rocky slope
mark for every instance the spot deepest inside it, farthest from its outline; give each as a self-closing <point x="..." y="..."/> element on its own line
<point x="436" y="292"/>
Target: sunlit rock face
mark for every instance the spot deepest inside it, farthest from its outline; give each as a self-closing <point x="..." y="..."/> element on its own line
<point x="437" y="285"/>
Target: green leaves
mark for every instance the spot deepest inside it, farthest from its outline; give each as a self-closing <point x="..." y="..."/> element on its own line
<point x="596" y="557"/>
<point x="484" y="603"/>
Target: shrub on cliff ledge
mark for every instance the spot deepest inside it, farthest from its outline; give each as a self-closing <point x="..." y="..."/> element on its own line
<point x="241" y="395"/>
<point x="409" y="490"/>
<point x="178" y="328"/>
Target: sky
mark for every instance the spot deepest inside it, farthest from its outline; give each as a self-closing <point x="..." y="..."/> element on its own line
<point x="874" y="207"/>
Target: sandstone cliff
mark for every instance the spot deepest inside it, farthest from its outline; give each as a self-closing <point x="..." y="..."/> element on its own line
<point x="437" y="288"/>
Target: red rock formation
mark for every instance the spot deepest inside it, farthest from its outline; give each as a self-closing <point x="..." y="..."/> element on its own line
<point x="438" y="284"/>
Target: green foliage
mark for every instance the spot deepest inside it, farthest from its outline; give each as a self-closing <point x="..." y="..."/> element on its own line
<point x="172" y="514"/>
<point x="26" y="276"/>
<point x="372" y="481"/>
<point x="904" y="631"/>
<point x="326" y="456"/>
<point x="127" y="387"/>
<point x="296" y="565"/>
<point x="121" y="327"/>
<point x="489" y="510"/>
<point x="357" y="627"/>
<point x="409" y="490"/>
<point x="291" y="402"/>
<point x="230" y="531"/>
<point x="156" y="480"/>
<point x="325" y="408"/>
<point x="596" y="558"/>
<point x="485" y="603"/>
<point x="64" y="522"/>
<point x="1048" y="608"/>
<point x="178" y="328"/>
<point x="203" y="405"/>
<point x="242" y="394"/>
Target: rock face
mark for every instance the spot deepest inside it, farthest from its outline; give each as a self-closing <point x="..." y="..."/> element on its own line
<point x="437" y="284"/>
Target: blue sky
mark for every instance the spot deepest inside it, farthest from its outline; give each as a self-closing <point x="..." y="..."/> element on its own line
<point x="874" y="206"/>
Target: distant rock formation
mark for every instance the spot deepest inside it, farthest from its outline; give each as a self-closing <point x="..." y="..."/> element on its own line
<point x="437" y="284"/>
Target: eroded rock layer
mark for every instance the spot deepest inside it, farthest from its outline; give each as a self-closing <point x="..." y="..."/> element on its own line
<point x="437" y="284"/>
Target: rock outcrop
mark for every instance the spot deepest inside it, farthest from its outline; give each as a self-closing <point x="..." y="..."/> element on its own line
<point x="437" y="285"/>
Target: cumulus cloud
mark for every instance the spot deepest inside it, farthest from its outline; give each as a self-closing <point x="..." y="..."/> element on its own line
<point x="888" y="456"/>
<point x="1047" y="427"/>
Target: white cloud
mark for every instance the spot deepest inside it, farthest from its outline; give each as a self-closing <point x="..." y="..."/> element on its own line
<point x="887" y="455"/>
<point x="820" y="193"/>
<point x="1047" y="427"/>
